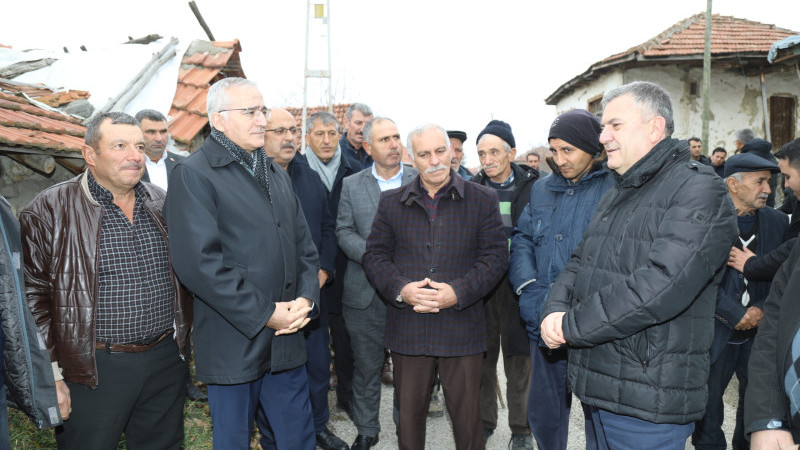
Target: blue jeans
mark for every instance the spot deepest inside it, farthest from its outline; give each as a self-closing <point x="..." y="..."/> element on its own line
<point x="618" y="432"/>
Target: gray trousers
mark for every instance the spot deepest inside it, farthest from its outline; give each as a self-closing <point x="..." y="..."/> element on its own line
<point x="366" y="328"/>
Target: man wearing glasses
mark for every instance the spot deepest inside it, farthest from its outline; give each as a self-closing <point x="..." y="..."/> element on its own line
<point x="240" y="243"/>
<point x="279" y="145"/>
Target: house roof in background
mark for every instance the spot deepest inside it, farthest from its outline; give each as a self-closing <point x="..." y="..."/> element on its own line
<point x="24" y="124"/>
<point x="732" y="39"/>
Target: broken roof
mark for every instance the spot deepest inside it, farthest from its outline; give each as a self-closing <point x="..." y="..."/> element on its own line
<point x="733" y="40"/>
<point x="26" y="126"/>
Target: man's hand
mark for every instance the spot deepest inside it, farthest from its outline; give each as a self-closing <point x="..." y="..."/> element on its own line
<point x="771" y="440"/>
<point x="751" y="318"/>
<point x="290" y="317"/>
<point x="738" y="257"/>
<point x="552" y="334"/>
<point x="323" y="277"/>
<point x="440" y="297"/>
<point x="419" y="295"/>
<point x="64" y="401"/>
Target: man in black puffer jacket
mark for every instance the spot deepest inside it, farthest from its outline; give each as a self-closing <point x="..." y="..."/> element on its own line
<point x="636" y="301"/>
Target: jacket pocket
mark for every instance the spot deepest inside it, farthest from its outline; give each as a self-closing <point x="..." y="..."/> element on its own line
<point x="637" y="347"/>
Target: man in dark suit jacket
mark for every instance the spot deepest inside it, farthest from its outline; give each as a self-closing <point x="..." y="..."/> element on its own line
<point x="239" y="241"/>
<point x="364" y="313"/>
<point x="159" y="162"/>
<point x="436" y="248"/>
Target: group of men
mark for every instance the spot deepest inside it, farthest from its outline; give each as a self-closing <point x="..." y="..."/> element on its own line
<point x="602" y="279"/>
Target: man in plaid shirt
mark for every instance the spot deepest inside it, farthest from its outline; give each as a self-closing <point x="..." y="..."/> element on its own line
<point x="436" y="249"/>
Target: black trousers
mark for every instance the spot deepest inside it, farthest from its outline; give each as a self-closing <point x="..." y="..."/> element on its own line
<point x="139" y="394"/>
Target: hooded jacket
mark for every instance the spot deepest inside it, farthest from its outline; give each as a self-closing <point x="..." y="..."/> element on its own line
<point x="639" y="291"/>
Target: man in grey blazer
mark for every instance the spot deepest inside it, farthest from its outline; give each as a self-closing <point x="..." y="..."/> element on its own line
<point x="159" y="162"/>
<point x="364" y="313"/>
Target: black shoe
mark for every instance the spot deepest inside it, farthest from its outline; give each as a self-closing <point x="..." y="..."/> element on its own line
<point x="328" y="441"/>
<point x="194" y="393"/>
<point x="364" y="442"/>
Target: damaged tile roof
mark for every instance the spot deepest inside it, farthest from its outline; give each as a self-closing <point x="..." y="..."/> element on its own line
<point x="732" y="39"/>
<point x="203" y="64"/>
<point x="23" y="124"/>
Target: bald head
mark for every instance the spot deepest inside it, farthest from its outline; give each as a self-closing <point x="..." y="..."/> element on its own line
<point x="279" y="136"/>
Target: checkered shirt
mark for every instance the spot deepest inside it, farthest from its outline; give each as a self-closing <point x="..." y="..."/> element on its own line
<point x="135" y="298"/>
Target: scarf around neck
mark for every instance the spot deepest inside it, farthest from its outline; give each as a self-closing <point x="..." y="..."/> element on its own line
<point x="256" y="163"/>
<point x="327" y="171"/>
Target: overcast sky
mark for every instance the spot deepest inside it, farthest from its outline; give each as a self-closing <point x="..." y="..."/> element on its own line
<point x="456" y="63"/>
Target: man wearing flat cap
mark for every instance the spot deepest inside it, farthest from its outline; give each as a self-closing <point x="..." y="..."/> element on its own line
<point x="550" y="228"/>
<point x="512" y="182"/>
<point x="457" y="139"/>
<point x="740" y="301"/>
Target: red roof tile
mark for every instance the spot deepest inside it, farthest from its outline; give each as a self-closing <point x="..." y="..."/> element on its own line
<point x="25" y="125"/>
<point x="732" y="38"/>
<point x="188" y="114"/>
<point x="339" y="111"/>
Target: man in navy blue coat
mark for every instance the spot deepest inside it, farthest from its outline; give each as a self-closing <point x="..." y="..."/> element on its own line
<point x="279" y="145"/>
<point x="740" y="301"/>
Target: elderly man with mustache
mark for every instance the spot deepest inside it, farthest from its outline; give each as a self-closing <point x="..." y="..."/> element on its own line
<point x="435" y="251"/>
<point x="279" y="144"/>
<point x="99" y="283"/>
<point x="513" y="183"/>
<point x="740" y="301"/>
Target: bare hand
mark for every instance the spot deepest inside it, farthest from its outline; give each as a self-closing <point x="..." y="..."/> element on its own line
<point x="751" y="318"/>
<point x="419" y="295"/>
<point x="290" y="317"/>
<point x="771" y="440"/>
<point x="738" y="257"/>
<point x="323" y="277"/>
<point x="551" y="331"/>
<point x="441" y="296"/>
<point x="64" y="401"/>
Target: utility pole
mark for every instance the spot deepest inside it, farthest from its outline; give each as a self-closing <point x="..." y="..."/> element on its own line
<point x="707" y="78"/>
<point x="321" y="11"/>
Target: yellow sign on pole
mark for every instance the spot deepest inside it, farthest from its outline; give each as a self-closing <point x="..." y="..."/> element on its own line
<point x="319" y="11"/>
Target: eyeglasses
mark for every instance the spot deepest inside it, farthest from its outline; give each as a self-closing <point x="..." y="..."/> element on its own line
<point x="282" y="131"/>
<point x="250" y="113"/>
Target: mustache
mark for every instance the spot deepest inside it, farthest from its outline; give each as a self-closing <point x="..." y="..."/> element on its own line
<point x="762" y="196"/>
<point x="136" y="166"/>
<point x="436" y="168"/>
<point x="287" y="145"/>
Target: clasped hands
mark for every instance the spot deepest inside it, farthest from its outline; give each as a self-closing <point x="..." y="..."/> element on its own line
<point x="428" y="296"/>
<point x="290" y="317"/>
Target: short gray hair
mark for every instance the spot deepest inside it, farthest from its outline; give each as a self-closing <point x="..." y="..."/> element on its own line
<point x="736" y="176"/>
<point x="360" y="107"/>
<point x="505" y="144"/>
<point x="370" y="123"/>
<point x="323" y="116"/>
<point x="652" y="98"/>
<point x="217" y="97"/>
<point x="744" y="135"/>
<point x="421" y="129"/>
<point x="92" y="135"/>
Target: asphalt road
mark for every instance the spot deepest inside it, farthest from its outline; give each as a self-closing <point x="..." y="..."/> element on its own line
<point x="440" y="433"/>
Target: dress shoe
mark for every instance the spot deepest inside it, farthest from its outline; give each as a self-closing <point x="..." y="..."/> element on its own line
<point x="435" y="407"/>
<point x="387" y="377"/>
<point x="328" y="441"/>
<point x="364" y="442"/>
<point x="520" y="442"/>
<point x="194" y="393"/>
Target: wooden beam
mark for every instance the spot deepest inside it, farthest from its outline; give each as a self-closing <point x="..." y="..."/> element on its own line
<point x="42" y="164"/>
<point x="37" y="151"/>
<point x="19" y="68"/>
<point x="144" y="40"/>
<point x="202" y="21"/>
<point x="73" y="165"/>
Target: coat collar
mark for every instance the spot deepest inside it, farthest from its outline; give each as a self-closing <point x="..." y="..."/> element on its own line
<point x="522" y="174"/>
<point x="414" y="190"/>
<point x="664" y="154"/>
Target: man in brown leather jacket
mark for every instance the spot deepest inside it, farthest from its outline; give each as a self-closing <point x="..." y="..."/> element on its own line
<point x="108" y="305"/>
